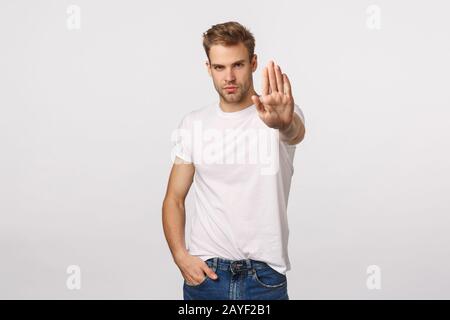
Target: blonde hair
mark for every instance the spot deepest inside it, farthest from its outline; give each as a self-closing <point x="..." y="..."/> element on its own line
<point x="227" y="34"/>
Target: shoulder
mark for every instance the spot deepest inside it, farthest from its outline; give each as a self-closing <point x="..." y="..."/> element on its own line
<point x="201" y="113"/>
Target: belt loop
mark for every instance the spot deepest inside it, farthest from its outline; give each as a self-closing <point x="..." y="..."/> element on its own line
<point x="250" y="267"/>
<point x="214" y="264"/>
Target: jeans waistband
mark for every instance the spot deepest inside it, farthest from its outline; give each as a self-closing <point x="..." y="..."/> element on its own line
<point x="236" y="266"/>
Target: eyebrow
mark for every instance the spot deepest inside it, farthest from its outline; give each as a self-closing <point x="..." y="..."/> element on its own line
<point x="220" y="65"/>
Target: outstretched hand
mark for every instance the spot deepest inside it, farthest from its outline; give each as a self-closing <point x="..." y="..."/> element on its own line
<point x="275" y="106"/>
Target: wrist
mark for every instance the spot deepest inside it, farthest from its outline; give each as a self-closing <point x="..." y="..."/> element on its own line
<point x="179" y="255"/>
<point x="288" y="128"/>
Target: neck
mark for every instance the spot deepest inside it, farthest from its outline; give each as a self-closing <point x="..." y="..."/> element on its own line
<point x="237" y="106"/>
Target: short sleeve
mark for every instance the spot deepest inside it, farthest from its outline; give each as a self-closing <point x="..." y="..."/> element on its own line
<point x="300" y="113"/>
<point x="181" y="141"/>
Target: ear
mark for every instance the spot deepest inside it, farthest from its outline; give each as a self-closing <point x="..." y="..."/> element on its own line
<point x="254" y="62"/>
<point x="208" y="67"/>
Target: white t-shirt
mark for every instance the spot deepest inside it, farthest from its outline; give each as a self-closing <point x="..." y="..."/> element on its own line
<point x="241" y="185"/>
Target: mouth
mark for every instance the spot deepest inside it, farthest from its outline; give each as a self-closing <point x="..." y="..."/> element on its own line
<point x="230" y="89"/>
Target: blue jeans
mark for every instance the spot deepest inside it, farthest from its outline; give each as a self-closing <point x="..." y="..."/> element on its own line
<point x="239" y="280"/>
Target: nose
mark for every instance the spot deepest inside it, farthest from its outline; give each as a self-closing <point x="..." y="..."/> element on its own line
<point x="230" y="75"/>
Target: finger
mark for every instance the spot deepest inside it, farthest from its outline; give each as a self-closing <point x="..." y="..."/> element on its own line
<point x="265" y="82"/>
<point x="279" y="78"/>
<point x="200" y="279"/>
<point x="287" y="85"/>
<point x="272" y="78"/>
<point x="193" y="279"/>
<point x="209" y="272"/>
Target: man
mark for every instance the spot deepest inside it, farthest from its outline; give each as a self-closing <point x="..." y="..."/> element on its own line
<point x="238" y="247"/>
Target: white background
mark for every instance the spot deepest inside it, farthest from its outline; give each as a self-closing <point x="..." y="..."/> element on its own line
<point x="86" y="118"/>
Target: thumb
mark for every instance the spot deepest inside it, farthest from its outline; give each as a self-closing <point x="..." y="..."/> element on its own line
<point x="209" y="272"/>
<point x="258" y="103"/>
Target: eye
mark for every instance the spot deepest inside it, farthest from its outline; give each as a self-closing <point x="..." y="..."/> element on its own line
<point x="239" y="64"/>
<point x="217" y="67"/>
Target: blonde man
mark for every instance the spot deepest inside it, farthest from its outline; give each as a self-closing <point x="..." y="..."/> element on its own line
<point x="238" y="154"/>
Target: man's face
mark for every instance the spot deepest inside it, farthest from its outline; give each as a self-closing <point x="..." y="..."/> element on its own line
<point x="230" y="67"/>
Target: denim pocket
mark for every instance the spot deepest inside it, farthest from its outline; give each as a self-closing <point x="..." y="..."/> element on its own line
<point x="269" y="277"/>
<point x="209" y="263"/>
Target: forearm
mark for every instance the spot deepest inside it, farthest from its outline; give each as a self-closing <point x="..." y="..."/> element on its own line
<point x="174" y="219"/>
<point x="294" y="132"/>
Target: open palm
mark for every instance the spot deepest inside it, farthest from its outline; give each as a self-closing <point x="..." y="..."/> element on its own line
<point x="276" y="105"/>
